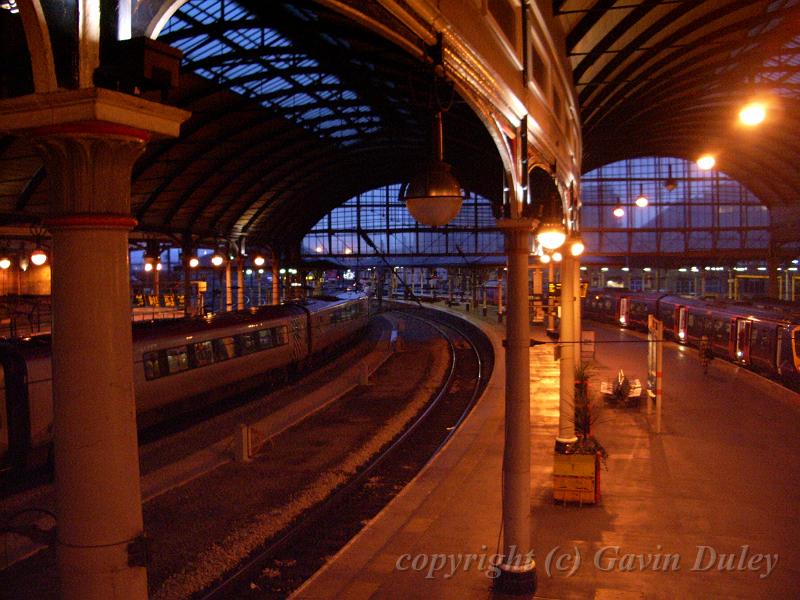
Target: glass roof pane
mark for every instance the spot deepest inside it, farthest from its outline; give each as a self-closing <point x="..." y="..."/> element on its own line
<point x="295" y="73"/>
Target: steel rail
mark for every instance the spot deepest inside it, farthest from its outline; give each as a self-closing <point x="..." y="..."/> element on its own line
<point x="222" y="590"/>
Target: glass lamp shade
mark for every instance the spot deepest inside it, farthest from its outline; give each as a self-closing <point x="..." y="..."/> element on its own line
<point x="557" y="257"/>
<point x="5" y="263"/>
<point x="38" y="257"/>
<point x="551" y="235"/>
<point x="706" y="162"/>
<point x="217" y="260"/>
<point x="544" y="259"/>
<point x="193" y="262"/>
<point x="148" y="267"/>
<point x="258" y="261"/>
<point x="576" y="248"/>
<point x="753" y="114"/>
<point x="433" y="197"/>
<point x="619" y="212"/>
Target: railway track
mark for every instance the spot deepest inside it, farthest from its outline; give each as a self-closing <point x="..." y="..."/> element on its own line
<point x="290" y="558"/>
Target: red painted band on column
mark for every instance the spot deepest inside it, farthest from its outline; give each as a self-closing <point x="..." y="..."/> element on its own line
<point x="92" y="128"/>
<point x="93" y="221"/>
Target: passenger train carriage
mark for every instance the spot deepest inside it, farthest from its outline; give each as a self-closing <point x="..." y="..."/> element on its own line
<point x="764" y="338"/>
<point x="179" y="365"/>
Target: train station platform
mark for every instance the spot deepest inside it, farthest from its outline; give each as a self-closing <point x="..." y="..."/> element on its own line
<point x="705" y="509"/>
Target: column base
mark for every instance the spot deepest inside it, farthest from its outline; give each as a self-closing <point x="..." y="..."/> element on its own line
<point x="516" y="580"/>
<point x="563" y="444"/>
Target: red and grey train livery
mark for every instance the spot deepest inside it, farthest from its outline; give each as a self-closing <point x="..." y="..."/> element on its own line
<point x="763" y="338"/>
<point x="179" y="365"/>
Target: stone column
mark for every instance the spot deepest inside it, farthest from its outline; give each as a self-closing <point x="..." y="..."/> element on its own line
<point x="276" y="278"/>
<point x="576" y="308"/>
<point x="551" y="304"/>
<point x="566" y="409"/>
<point x="517" y="569"/>
<point x="89" y="164"/>
<point x="538" y="294"/>
<point x="186" y="255"/>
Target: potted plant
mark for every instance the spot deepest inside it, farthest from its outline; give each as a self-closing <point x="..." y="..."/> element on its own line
<point x="576" y="470"/>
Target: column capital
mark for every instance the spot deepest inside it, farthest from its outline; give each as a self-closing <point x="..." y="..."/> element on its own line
<point x="74" y="108"/>
<point x="89" y="173"/>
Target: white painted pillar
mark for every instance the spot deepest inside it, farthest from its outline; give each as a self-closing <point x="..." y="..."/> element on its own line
<point x="516" y="449"/>
<point x="576" y="332"/>
<point x="566" y="408"/>
<point x="276" y="279"/>
<point x="228" y="290"/>
<point x="538" y="293"/>
<point x="500" y="308"/>
<point x="240" y="283"/>
<point x="89" y="165"/>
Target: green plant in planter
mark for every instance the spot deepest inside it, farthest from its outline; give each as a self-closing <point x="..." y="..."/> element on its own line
<point x="586" y="416"/>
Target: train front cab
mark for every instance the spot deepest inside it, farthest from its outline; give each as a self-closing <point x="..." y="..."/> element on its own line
<point x="681" y="323"/>
<point x="624" y="312"/>
<point x="740" y="350"/>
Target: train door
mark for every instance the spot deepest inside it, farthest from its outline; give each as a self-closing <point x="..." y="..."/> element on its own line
<point x="624" y="311"/>
<point x="15" y="419"/>
<point x="742" y="341"/>
<point x="681" y="313"/>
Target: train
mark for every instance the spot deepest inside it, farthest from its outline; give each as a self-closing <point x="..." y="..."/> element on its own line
<point x="763" y="337"/>
<point x="179" y="365"/>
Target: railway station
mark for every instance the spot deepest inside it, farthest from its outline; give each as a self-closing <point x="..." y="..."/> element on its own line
<point x="387" y="299"/>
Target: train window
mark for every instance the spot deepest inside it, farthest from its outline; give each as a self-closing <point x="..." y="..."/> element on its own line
<point x="281" y="335"/>
<point x="203" y="354"/>
<point x="245" y="344"/>
<point x="152" y="367"/>
<point x="177" y="359"/>
<point x="266" y="339"/>
<point x="719" y="334"/>
<point x="224" y="348"/>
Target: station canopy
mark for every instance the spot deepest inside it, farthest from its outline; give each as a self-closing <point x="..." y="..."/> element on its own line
<point x="297" y="108"/>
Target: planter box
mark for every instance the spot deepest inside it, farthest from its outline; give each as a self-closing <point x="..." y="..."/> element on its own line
<point x="575" y="478"/>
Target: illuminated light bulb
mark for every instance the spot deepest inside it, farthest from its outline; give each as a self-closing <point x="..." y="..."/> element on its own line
<point x="38" y="257"/>
<point x="557" y="257"/>
<point x="5" y="263"/>
<point x="348" y="251"/>
<point x="641" y="200"/>
<point x="318" y="249"/>
<point x="619" y="212"/>
<point x="217" y="260"/>
<point x="681" y="334"/>
<point x="577" y="248"/>
<point x="148" y="267"/>
<point x="259" y="261"/>
<point x="551" y="235"/>
<point x="248" y="271"/>
<point x="193" y="262"/>
<point x="544" y="259"/>
<point x="753" y="114"/>
<point x="158" y="266"/>
<point x="706" y="162"/>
